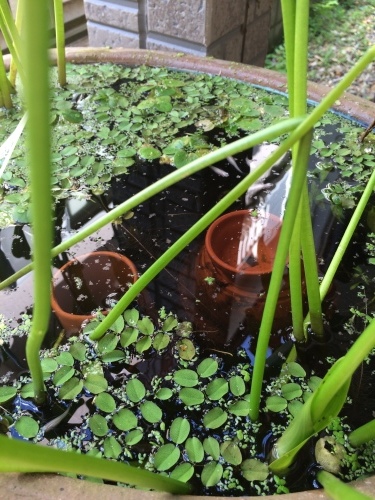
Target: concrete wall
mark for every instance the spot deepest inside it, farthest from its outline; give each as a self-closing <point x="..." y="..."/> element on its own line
<point x="236" y="30"/>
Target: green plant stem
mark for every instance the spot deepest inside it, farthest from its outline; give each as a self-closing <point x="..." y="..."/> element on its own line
<point x="18" y="22"/>
<point x="36" y="64"/>
<point x="60" y="40"/>
<point x="289" y="22"/>
<point x="235" y="147"/>
<point x="363" y="434"/>
<point x="5" y="86"/>
<point x="295" y="278"/>
<point x="338" y="490"/>
<point x="298" y="179"/>
<point x="19" y="456"/>
<point x="11" y="35"/>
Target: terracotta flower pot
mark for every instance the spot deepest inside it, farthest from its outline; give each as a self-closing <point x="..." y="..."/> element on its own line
<point x="89" y="282"/>
<point x="234" y="271"/>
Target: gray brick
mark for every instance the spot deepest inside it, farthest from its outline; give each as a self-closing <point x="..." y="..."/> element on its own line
<point x="106" y="36"/>
<point x="223" y="17"/>
<point x="112" y="14"/>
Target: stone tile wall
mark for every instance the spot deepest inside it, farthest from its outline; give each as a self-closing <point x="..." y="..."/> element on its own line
<point x="236" y="30"/>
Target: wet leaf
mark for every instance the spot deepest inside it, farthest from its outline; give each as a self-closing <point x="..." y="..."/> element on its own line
<point x="71" y="388"/>
<point x="296" y="370"/>
<point x="239" y="408"/>
<point x="133" y="437"/>
<point x="237" y="385"/>
<point x="143" y="344"/>
<point x="179" y="430"/>
<point x="291" y="391"/>
<point x="105" y="402"/>
<point x="98" y="425"/>
<point x="314" y="382"/>
<point x="7" y="393"/>
<point x="186" y="378"/>
<point x="207" y="367"/>
<point x="169" y="324"/>
<point x="65" y="358"/>
<point x="78" y="351"/>
<point x="128" y="336"/>
<point x="145" y="326"/>
<point x="135" y="390"/>
<point x="276" y="403"/>
<point x="231" y="452"/>
<point x="183" y="472"/>
<point x="27" y="427"/>
<point x="186" y="349"/>
<point x="215" y="418"/>
<point x="194" y="449"/>
<point x="211" y="447"/>
<point x="254" y="470"/>
<point x="125" y="420"/>
<point x="151" y="412"/>
<point x="211" y="474"/>
<point x="160" y="341"/>
<point x="164" y="393"/>
<point x="113" y="356"/>
<point x="95" y="383"/>
<point x="149" y="153"/>
<point x="108" y="343"/>
<point x="118" y="325"/>
<point x="131" y="316"/>
<point x="49" y="365"/>
<point x="112" y="448"/>
<point x="62" y="375"/>
<point x="166" y="457"/>
<point x="217" y="388"/>
<point x="191" y="397"/>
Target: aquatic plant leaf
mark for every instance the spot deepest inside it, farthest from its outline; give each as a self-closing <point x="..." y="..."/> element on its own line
<point x="78" y="351"/>
<point x="160" y="341"/>
<point x="128" y="336"/>
<point x="49" y="365"/>
<point x="146" y="326"/>
<point x="217" y="388"/>
<point x="169" y="324"/>
<point x="151" y="412"/>
<point x="108" y="343"/>
<point x="7" y="393"/>
<point x="314" y="382"/>
<point x="231" y="452"/>
<point x="65" y="358"/>
<point x="105" y="402"/>
<point x="207" y="367"/>
<point x="249" y="124"/>
<point x="133" y="437"/>
<point x="237" y="385"/>
<point x="254" y="470"/>
<point x="27" y="427"/>
<point x="296" y="370"/>
<point x="143" y="344"/>
<point x="183" y="472"/>
<point x="135" y="390"/>
<point x="95" y="383"/>
<point x="239" y="408"/>
<point x="131" y="316"/>
<point x="211" y="447"/>
<point x="166" y="457"/>
<point x="111" y="357"/>
<point x="191" y="396"/>
<point x="276" y="403"/>
<point x="186" y="378"/>
<point x="211" y="474"/>
<point x="27" y="390"/>
<point x="294" y="407"/>
<point x="125" y="420"/>
<point x="71" y="388"/>
<point x="179" y="430"/>
<point x="215" y="418"/>
<point x="194" y="449"/>
<point x="149" y="153"/>
<point x="72" y="115"/>
<point x="62" y="375"/>
<point x="112" y="448"/>
<point x="118" y="325"/>
<point x="126" y="153"/>
<point x="186" y="349"/>
<point x="98" y="425"/>
<point x="291" y="391"/>
<point x="164" y="393"/>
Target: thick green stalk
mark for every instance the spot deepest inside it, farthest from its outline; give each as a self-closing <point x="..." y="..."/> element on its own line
<point x="11" y="35"/>
<point x="363" y="434"/>
<point x="337" y="490"/>
<point x="298" y="179"/>
<point x="4" y="86"/>
<point x="36" y="64"/>
<point x="235" y="147"/>
<point x="19" y="19"/>
<point x="60" y="40"/>
<point x="289" y="22"/>
<point x="19" y="456"/>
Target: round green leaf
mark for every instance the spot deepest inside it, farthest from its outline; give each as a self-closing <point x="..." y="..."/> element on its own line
<point x="113" y="356"/>
<point x="217" y="388"/>
<point x="108" y="343"/>
<point x="291" y="391"/>
<point x="143" y="344"/>
<point x="129" y="336"/>
<point x="166" y="457"/>
<point x="27" y="427"/>
<point x="183" y="472"/>
<point x="207" y="367"/>
<point x="49" y="365"/>
<point x="78" y="351"/>
<point x="194" y="450"/>
<point x="215" y="418"/>
<point x="146" y="326"/>
<point x="276" y="403"/>
<point x="98" y="425"/>
<point x="118" y="325"/>
<point x="211" y="447"/>
<point x="71" y="388"/>
<point x="179" y="430"/>
<point x="133" y="437"/>
<point x="164" y="393"/>
<point x="191" y="397"/>
<point x="105" y="402"/>
<point x="62" y="375"/>
<point x="186" y="378"/>
<point x="151" y="412"/>
<point x="27" y="390"/>
<point x="239" y="408"/>
<point x="7" y="393"/>
<point x="314" y="382"/>
<point x="125" y="420"/>
<point x="211" y="474"/>
<point x="160" y="341"/>
<point x="254" y="470"/>
<point x="95" y="383"/>
<point x="112" y="448"/>
<point x="149" y="153"/>
<point x="186" y="349"/>
<point x="65" y="358"/>
<point x="294" y="407"/>
<point x="296" y="370"/>
<point x="231" y="452"/>
<point x="237" y="385"/>
<point x="131" y="316"/>
<point x="169" y="324"/>
<point x="135" y="390"/>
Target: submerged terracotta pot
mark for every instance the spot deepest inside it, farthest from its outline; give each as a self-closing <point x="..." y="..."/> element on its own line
<point x="89" y="282"/>
<point x="234" y="270"/>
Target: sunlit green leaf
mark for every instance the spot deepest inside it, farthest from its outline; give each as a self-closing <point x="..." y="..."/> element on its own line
<point x="151" y="412"/>
<point x="166" y="457"/>
<point x="125" y="420"/>
<point x="186" y="377"/>
<point x="27" y="427"/>
<point x="211" y="474"/>
<point x="215" y="418"/>
<point x="98" y="425"/>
